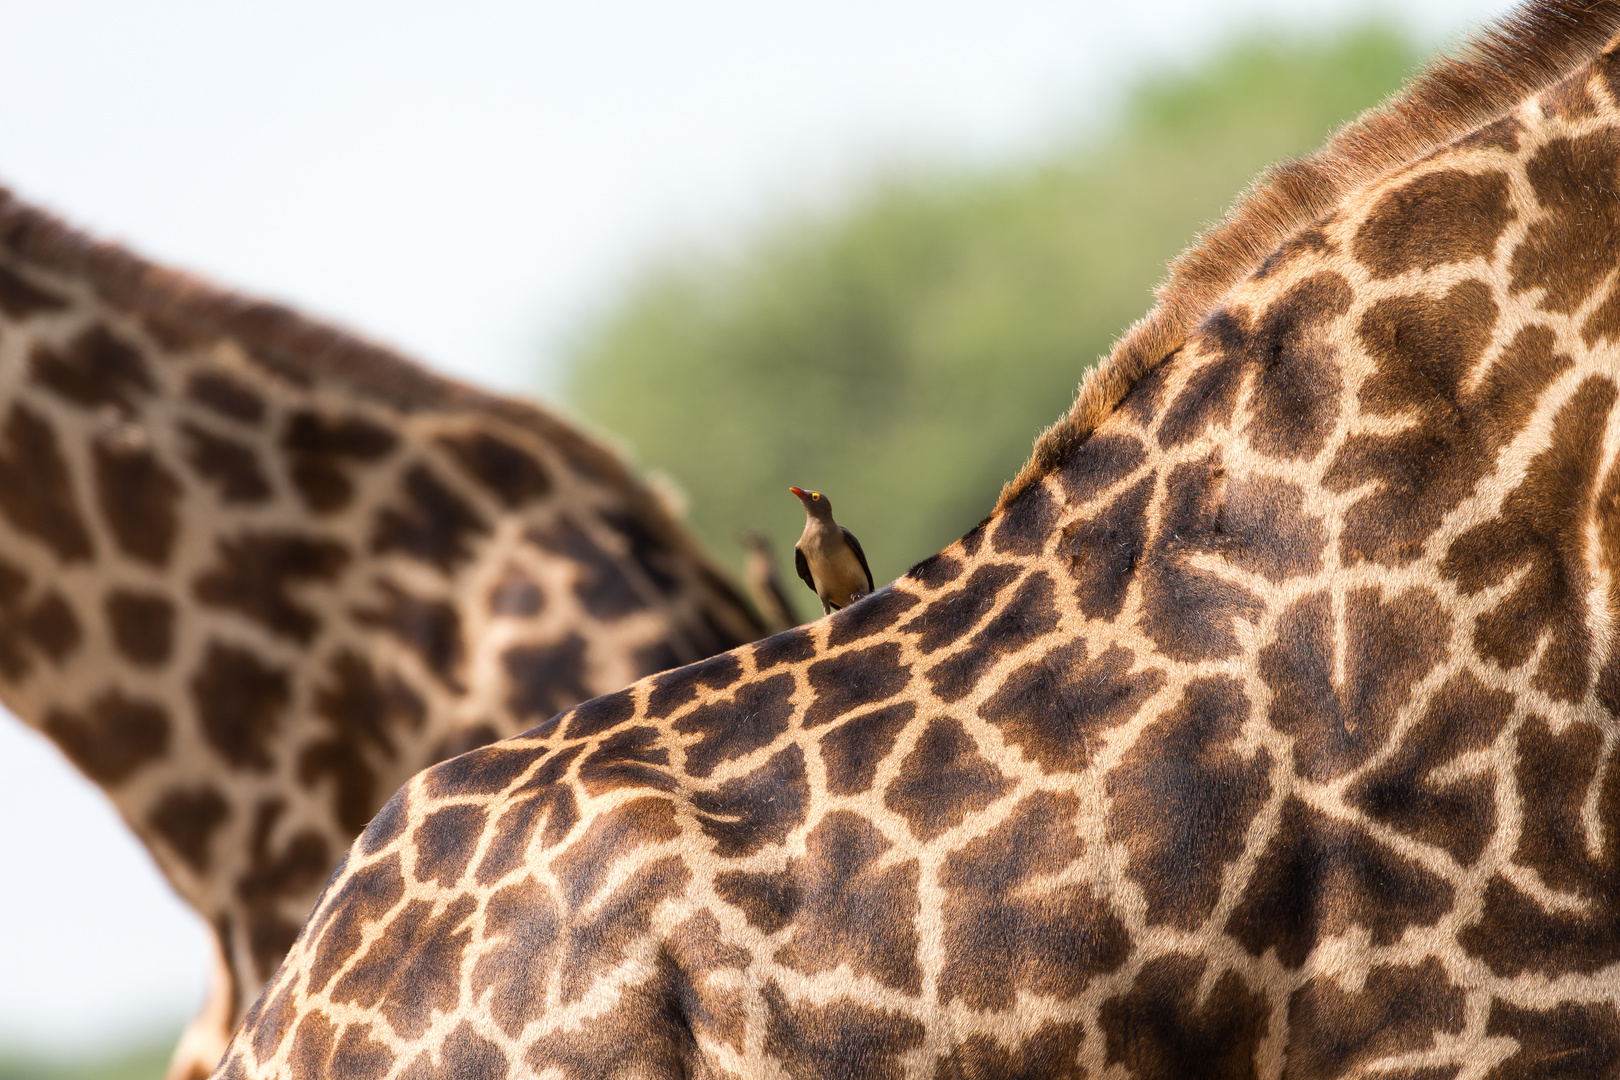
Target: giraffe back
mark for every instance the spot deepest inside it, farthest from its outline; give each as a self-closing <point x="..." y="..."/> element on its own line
<point x="1267" y="728"/>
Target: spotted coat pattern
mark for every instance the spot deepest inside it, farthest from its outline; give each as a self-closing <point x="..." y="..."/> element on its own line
<point x="1271" y="732"/>
<point x="254" y="574"/>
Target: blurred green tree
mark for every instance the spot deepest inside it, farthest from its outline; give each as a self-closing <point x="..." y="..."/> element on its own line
<point x="901" y="352"/>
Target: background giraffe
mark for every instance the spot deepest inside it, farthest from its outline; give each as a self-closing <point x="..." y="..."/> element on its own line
<point x="254" y="573"/>
<point x="1266" y="728"/>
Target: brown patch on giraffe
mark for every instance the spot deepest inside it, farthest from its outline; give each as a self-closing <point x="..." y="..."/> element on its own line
<point x="650" y="1038"/>
<point x="142" y="625"/>
<point x="845" y="909"/>
<point x="517" y="952"/>
<point x="789" y="647"/>
<point x="139" y="500"/>
<point x="745" y="814"/>
<point x="854" y="679"/>
<point x="697" y="951"/>
<point x="517" y="595"/>
<point x="546" y="679"/>
<point x="946" y="618"/>
<point x="321" y="450"/>
<point x="187" y="818"/>
<point x="1320" y="876"/>
<point x="1051" y="1053"/>
<point x="1055" y="709"/>
<point x="51" y="627"/>
<point x="274" y="878"/>
<point x="599" y="941"/>
<point x="429" y="628"/>
<point x="1098" y="464"/>
<point x="1007" y="929"/>
<point x="873" y="615"/>
<point x="1183" y="798"/>
<point x="386" y="825"/>
<point x="312" y="1045"/>
<point x="1513" y="385"/>
<point x="936" y="571"/>
<point x="1022" y="526"/>
<point x="674" y="689"/>
<point x="1398" y="1010"/>
<point x="611" y="836"/>
<point x="112" y="737"/>
<point x="1294" y="401"/>
<point x="601" y="714"/>
<point x="358" y="1054"/>
<point x="943" y="779"/>
<point x="1446" y="216"/>
<point x="367" y="897"/>
<point x="1464" y="715"/>
<point x="1575" y="242"/>
<point x="1104" y="551"/>
<point x="1186" y="610"/>
<point x="1515" y="934"/>
<point x="96" y="369"/>
<point x="463" y="1053"/>
<point x="1389" y="648"/>
<point x="414" y="969"/>
<point x="655" y="558"/>
<point x="445" y="841"/>
<point x="1500" y="135"/>
<point x="20" y="298"/>
<point x="839" y="1040"/>
<point x="1569" y="1040"/>
<point x="1141" y="401"/>
<point x="227" y="397"/>
<point x="512" y="475"/>
<point x="1542" y="523"/>
<point x="1310" y="241"/>
<point x="232" y="467"/>
<point x="432" y="524"/>
<point x="273" y="1020"/>
<point x="488" y="770"/>
<point x="36" y="489"/>
<point x="255" y="573"/>
<point x="1159" y="1030"/>
<point x="1211" y="393"/>
<point x="361" y="712"/>
<point x="1425" y="348"/>
<point x="767" y="900"/>
<point x="600" y="583"/>
<point x="1267" y="531"/>
<point x="631" y="757"/>
<point x="852" y="751"/>
<point x="239" y="700"/>
<point x="1570" y="99"/>
<point x="1028" y="615"/>
<point x="730" y="728"/>
<point x="543" y="799"/>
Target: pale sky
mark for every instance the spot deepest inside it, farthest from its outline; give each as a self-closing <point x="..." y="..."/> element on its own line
<point x="468" y="182"/>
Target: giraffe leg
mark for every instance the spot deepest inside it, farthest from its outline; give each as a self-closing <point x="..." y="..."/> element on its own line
<point x="203" y="1042"/>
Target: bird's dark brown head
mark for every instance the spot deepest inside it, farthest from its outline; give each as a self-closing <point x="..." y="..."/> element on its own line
<point x="815" y="503"/>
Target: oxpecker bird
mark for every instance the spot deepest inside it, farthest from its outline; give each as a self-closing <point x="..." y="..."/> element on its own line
<point x="828" y="556"/>
<point x="759" y="571"/>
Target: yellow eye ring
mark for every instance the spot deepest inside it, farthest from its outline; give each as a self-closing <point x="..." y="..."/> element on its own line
<point x="814" y="496"/>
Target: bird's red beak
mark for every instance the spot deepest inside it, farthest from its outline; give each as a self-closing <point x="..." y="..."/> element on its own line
<point x="797" y="491"/>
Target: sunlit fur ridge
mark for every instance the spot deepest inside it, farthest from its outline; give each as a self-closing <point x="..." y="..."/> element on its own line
<point x="1523" y="54"/>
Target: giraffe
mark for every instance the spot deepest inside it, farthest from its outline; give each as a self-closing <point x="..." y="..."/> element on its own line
<point x="1266" y="728"/>
<point x="255" y="573"/>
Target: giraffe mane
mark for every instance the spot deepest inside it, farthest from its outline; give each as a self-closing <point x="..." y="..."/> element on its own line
<point x="181" y="309"/>
<point x="1528" y="50"/>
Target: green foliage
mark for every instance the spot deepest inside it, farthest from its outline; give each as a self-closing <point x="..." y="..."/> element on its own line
<point x="901" y="353"/>
<point x="143" y="1062"/>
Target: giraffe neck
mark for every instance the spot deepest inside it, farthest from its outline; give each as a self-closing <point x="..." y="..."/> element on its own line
<point x="1267" y="729"/>
<point x="255" y="573"/>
